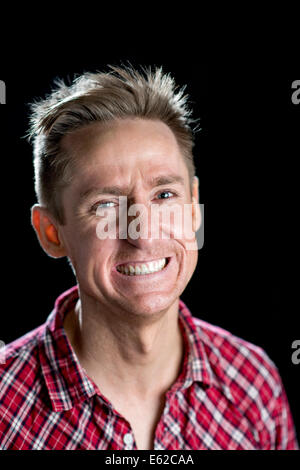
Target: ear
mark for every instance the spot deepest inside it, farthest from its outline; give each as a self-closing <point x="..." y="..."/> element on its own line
<point x="46" y="229"/>
<point x="196" y="212"/>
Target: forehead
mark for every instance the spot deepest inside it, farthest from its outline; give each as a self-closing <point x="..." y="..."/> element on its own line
<point x="124" y="147"/>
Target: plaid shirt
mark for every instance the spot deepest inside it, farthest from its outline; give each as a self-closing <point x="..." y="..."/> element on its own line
<point x="229" y="395"/>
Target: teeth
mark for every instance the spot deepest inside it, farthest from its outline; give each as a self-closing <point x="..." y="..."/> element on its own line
<point x="151" y="266"/>
<point x="131" y="269"/>
<point x="145" y="268"/>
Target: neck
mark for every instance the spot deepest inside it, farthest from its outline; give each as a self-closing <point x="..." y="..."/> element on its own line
<point x="142" y="358"/>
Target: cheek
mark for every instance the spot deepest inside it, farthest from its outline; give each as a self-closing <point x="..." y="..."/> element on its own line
<point x="191" y="263"/>
<point x="95" y="257"/>
<point x="188" y="257"/>
<point x="192" y="258"/>
<point x="81" y="246"/>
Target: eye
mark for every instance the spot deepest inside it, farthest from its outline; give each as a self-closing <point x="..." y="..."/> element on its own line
<point x="165" y="195"/>
<point x="103" y="205"/>
<point x="106" y="204"/>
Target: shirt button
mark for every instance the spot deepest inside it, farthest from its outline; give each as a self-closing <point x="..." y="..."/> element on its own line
<point x="128" y="439"/>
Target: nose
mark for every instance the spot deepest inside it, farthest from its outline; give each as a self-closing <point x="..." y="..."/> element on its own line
<point x="139" y="227"/>
<point x="141" y="222"/>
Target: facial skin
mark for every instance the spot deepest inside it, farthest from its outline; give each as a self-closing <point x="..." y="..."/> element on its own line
<point x="130" y="320"/>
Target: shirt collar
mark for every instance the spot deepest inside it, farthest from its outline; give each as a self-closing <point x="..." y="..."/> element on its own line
<point x="68" y="383"/>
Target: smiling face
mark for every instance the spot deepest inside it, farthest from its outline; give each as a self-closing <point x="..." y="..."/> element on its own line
<point x="139" y="159"/>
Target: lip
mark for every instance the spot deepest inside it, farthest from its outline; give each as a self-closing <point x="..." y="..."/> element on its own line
<point x="144" y="276"/>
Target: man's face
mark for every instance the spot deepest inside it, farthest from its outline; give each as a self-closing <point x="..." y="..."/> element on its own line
<point x="126" y="158"/>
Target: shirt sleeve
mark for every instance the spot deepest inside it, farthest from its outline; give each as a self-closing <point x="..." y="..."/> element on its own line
<point x="285" y="437"/>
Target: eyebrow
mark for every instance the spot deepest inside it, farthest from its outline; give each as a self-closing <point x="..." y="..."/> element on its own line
<point x="124" y="190"/>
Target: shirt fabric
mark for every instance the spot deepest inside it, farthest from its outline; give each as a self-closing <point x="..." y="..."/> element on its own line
<point x="228" y="395"/>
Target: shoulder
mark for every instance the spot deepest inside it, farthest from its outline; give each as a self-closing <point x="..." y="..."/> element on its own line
<point x="19" y="365"/>
<point x="23" y="394"/>
<point x="244" y="369"/>
<point x="214" y="336"/>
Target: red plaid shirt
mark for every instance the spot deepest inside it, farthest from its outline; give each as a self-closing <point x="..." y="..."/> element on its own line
<point x="229" y="395"/>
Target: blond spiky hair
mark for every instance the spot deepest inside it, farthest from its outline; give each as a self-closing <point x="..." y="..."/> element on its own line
<point x="121" y="92"/>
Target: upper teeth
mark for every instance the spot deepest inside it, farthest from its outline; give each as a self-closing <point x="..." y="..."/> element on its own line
<point x="145" y="268"/>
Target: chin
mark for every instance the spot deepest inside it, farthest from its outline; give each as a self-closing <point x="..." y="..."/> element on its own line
<point x="150" y="305"/>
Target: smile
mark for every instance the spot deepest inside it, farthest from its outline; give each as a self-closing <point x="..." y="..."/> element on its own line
<point x="136" y="269"/>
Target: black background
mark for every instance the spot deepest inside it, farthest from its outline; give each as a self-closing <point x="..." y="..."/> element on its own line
<point x="246" y="156"/>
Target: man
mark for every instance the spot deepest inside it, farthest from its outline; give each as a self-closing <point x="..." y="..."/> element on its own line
<point x="121" y="363"/>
